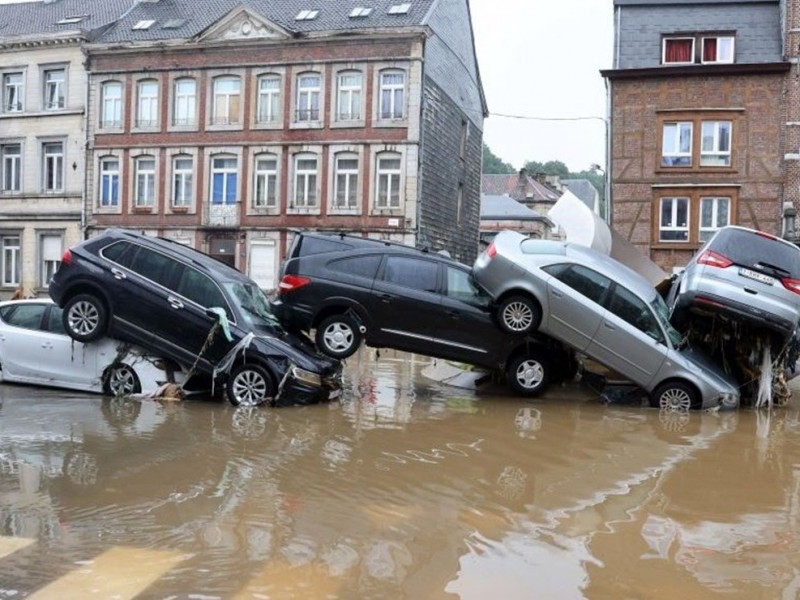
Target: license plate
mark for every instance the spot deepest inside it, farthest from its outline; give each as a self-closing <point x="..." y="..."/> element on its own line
<point x="755" y="275"/>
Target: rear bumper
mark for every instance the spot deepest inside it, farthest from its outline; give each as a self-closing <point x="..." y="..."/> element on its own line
<point x="710" y="303"/>
<point x="292" y="317"/>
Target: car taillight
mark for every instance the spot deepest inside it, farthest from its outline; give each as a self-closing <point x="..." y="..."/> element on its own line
<point x="714" y="259"/>
<point x="66" y="259"/>
<point x="292" y="282"/>
<point x="764" y="234"/>
<point x="491" y="251"/>
<point x="793" y="285"/>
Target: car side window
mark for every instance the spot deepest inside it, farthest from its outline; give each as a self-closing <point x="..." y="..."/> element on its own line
<point x="360" y="266"/>
<point x="54" y="321"/>
<point x="460" y="287"/>
<point x="589" y="283"/>
<point x="201" y="289"/>
<point x="119" y="252"/>
<point x="26" y="316"/>
<point x="412" y="273"/>
<point x="631" y="309"/>
<point x="153" y="265"/>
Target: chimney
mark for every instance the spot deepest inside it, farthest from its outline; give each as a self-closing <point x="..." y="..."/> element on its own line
<point x="520" y="192"/>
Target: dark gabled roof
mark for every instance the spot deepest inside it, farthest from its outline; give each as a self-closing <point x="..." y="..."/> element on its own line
<point x="190" y="18"/>
<point x="42" y="18"/>
<point x="504" y="208"/>
<point x="519" y="186"/>
<point x="584" y="190"/>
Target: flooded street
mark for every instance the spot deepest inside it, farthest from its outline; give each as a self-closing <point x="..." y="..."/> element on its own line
<point x="404" y="489"/>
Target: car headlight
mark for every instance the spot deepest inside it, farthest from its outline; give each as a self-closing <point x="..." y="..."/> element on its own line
<point x="308" y="377"/>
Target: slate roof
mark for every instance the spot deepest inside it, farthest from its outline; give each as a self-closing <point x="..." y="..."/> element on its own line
<point x="37" y="18"/>
<point x="504" y="208"/>
<point x="584" y="190"/>
<point x="509" y="185"/>
<point x="195" y="16"/>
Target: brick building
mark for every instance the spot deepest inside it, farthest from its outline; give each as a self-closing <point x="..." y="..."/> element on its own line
<point x="697" y="121"/>
<point x="227" y="127"/>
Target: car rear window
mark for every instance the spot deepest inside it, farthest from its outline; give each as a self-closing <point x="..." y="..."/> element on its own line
<point x="748" y="248"/>
<point x="361" y="266"/>
<point x="308" y="246"/>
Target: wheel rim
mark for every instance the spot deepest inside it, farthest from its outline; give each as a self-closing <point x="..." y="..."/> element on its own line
<point x="675" y="399"/>
<point x="530" y="374"/>
<point x="84" y="318"/>
<point x="338" y="337"/>
<point x="122" y="381"/>
<point x="250" y="388"/>
<point x="518" y="316"/>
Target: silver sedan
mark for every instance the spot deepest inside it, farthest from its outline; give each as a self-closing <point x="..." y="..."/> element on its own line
<point x="604" y="310"/>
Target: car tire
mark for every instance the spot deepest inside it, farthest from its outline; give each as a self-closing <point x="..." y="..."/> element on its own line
<point x="121" y="380"/>
<point x="519" y="314"/>
<point x="250" y="385"/>
<point x="674" y="395"/>
<point x="338" y="336"/>
<point x="528" y="374"/>
<point x="85" y="318"/>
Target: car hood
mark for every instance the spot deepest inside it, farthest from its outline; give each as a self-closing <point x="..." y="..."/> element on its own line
<point x="296" y="348"/>
<point x="704" y="364"/>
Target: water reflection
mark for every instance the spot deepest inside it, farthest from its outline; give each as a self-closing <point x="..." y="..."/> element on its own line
<point x="404" y="489"/>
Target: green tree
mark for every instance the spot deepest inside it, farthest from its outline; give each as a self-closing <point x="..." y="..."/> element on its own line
<point x="551" y="167"/>
<point x="493" y="164"/>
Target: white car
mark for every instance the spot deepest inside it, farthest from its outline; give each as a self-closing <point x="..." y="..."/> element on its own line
<point x="35" y="348"/>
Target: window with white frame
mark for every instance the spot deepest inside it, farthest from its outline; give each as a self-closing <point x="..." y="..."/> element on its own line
<point x="308" y="93"/>
<point x="678" y="50"/>
<point x="265" y="184"/>
<point x="227" y="100"/>
<point x="348" y="96"/>
<point x="224" y="179"/>
<point x="53" y="166"/>
<point x="11" y="258"/>
<point x="50" y="251"/>
<point x="676" y="145"/>
<point x="305" y="181"/>
<point x="13" y="92"/>
<point x="182" y="180"/>
<point x="184" y="103"/>
<point x="392" y="94"/>
<point x="111" y="98"/>
<point x="674" y="220"/>
<point x="715" y="213"/>
<point x="345" y="193"/>
<point x="388" y="174"/>
<point x="147" y="103"/>
<point x="715" y="148"/>
<point x="11" y="165"/>
<point x="55" y="83"/>
<point x="144" y="193"/>
<point x="717" y="49"/>
<point x="109" y="182"/>
<point x="269" y="94"/>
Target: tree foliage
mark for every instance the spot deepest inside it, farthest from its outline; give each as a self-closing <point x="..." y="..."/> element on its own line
<point x="493" y="164"/>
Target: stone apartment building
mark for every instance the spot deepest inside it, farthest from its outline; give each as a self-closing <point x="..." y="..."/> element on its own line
<point x="42" y="134"/>
<point x="228" y="128"/>
<point x="697" y="121"/>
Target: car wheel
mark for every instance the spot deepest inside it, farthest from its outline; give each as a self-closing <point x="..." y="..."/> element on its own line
<point x="121" y="380"/>
<point x="674" y="395"/>
<point x="85" y="318"/>
<point x="338" y="336"/>
<point x="528" y="374"/>
<point x="519" y="314"/>
<point x="250" y="385"/>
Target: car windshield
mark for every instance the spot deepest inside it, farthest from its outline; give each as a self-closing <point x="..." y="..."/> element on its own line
<point x="253" y="304"/>
<point x="662" y="313"/>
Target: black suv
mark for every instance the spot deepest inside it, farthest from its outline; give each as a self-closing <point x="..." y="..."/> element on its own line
<point x="352" y="289"/>
<point x="169" y="298"/>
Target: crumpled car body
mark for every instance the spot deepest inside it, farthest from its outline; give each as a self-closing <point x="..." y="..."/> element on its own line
<point x="35" y="349"/>
<point x="602" y="309"/>
<point x="179" y="303"/>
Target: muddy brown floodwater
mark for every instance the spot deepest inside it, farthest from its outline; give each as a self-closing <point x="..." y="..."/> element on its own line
<point x="404" y="489"/>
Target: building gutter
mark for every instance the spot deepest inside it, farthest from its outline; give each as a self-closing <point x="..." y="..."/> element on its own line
<point x="697" y="71"/>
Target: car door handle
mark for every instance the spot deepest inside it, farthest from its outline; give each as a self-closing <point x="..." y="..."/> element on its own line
<point x="47" y="345"/>
<point x="118" y="274"/>
<point x="174" y="302"/>
<point x="385" y="297"/>
<point x="453" y="313"/>
<point x="608" y="325"/>
<point x="557" y="294"/>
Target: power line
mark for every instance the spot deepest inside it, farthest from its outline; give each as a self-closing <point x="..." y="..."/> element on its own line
<point x="527" y="118"/>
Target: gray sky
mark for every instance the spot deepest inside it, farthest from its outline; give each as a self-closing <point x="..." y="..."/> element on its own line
<point x="541" y="58"/>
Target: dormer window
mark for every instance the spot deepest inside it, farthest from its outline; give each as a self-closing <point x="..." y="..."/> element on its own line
<point x="360" y="11"/>
<point x="399" y="9"/>
<point x="143" y="25"/>
<point x="306" y="15"/>
<point x="697" y="48"/>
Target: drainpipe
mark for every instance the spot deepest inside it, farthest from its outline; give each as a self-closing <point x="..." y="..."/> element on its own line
<point x="84" y="197"/>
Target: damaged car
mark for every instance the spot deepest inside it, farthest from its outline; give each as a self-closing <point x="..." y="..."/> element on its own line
<point x="602" y="309"/>
<point x="35" y="349"/>
<point x="179" y="303"/>
<point x="743" y="284"/>
<point x="352" y="290"/>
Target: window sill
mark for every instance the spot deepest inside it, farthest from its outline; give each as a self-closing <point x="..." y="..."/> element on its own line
<point x="305" y="125"/>
<point x="303" y="211"/>
<point x="695" y="170"/>
<point x="142" y="209"/>
<point x="264" y="211"/>
<point x="178" y="210"/>
<point x="399" y="123"/>
<point x="360" y="124"/>
<point x="271" y="125"/>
